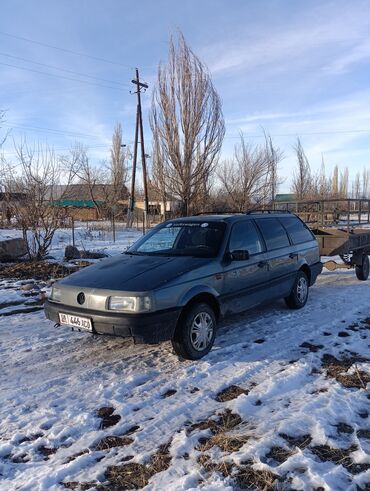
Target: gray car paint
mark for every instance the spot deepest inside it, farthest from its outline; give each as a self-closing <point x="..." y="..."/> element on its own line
<point x="173" y="281"/>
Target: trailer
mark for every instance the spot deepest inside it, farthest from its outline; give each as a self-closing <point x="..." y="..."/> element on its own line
<point x="352" y="246"/>
<point x="342" y="229"/>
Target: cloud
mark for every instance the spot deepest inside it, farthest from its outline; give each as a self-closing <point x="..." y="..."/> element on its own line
<point x="358" y="54"/>
<point x="304" y="39"/>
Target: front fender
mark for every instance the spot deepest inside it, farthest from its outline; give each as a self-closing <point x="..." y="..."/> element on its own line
<point x="197" y="290"/>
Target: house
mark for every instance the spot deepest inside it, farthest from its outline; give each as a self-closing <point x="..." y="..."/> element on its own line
<point x="84" y="202"/>
<point x="9" y="200"/>
<point x="156" y="206"/>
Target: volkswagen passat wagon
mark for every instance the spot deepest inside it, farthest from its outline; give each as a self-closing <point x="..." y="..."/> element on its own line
<point x="178" y="280"/>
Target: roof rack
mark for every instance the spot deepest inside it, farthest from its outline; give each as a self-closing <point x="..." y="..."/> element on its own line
<point x="269" y="212"/>
<point x="218" y="213"/>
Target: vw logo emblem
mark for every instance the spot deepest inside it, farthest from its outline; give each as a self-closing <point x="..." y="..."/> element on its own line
<point x="81" y="298"/>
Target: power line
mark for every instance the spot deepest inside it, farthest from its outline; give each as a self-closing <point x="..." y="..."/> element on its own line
<point x="61" y="76"/>
<point x="51" y="130"/>
<point x="302" y="134"/>
<point x="65" y="50"/>
<point x="5" y="152"/>
<point x="62" y="69"/>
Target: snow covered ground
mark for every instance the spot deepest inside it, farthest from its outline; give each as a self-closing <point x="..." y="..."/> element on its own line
<point x="281" y="402"/>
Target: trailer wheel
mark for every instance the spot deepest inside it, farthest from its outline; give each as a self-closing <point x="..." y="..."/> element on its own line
<point x="362" y="272"/>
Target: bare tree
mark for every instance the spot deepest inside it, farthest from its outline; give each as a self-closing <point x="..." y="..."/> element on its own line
<point x="187" y="122"/>
<point x="335" y="183"/>
<point x="117" y="167"/>
<point x="323" y="183"/>
<point x="343" y="183"/>
<point x="36" y="180"/>
<point x="2" y="118"/>
<point x="158" y="181"/>
<point x="94" y="179"/>
<point x="356" y="186"/>
<point x="275" y="155"/>
<point x="302" y="178"/>
<point x="246" y="178"/>
<point x="365" y="183"/>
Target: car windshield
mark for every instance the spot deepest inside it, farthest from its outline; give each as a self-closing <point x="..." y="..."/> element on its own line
<point x="199" y="239"/>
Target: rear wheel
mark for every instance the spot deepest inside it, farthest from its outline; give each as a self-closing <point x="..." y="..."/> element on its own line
<point x="196" y="332"/>
<point x="362" y="272"/>
<point x="299" y="294"/>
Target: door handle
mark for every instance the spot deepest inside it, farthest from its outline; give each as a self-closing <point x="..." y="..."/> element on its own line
<point x="261" y="264"/>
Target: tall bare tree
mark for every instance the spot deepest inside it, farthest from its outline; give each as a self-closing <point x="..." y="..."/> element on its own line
<point x="246" y="178"/>
<point x="366" y="183"/>
<point x="302" y="178"/>
<point x="118" y="166"/>
<point x="343" y="183"/>
<point x="187" y="122"/>
<point x="356" y="186"/>
<point x="335" y="182"/>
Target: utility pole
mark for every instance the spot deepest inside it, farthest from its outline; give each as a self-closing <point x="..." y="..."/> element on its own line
<point x="138" y="128"/>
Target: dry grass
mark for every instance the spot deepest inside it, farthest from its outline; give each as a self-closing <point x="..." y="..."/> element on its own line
<point x="363" y="434"/>
<point x="244" y="476"/>
<point x="46" y="451"/>
<point x="279" y="454"/>
<point x="76" y="455"/>
<point x="344" y="428"/>
<point x="297" y="441"/>
<point x="80" y="486"/>
<point x="113" y="441"/>
<point x="311" y="347"/>
<point x="225" y="421"/>
<point x="136" y="476"/>
<point x="230" y="393"/>
<point x="220" y="428"/>
<point x="340" y="457"/>
<point x="39" y="270"/>
<point x="248" y="478"/>
<point x="227" y="443"/>
<point x="107" y="417"/>
<point x="335" y="368"/>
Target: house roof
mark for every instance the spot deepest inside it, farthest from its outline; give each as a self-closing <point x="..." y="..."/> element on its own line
<point x="76" y="203"/>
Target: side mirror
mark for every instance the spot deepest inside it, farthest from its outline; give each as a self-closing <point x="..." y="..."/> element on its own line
<point x="239" y="255"/>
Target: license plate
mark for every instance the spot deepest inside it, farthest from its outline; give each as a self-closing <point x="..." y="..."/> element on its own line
<point x="75" y="321"/>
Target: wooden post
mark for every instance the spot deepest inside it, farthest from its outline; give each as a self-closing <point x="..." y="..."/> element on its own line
<point x="114" y="227"/>
<point x="348" y="214"/>
<point x="359" y="211"/>
<point x="73" y="230"/>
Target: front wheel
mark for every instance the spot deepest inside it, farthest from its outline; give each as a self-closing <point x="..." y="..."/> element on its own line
<point x="195" y="333"/>
<point x="299" y="294"/>
<point x="362" y="272"/>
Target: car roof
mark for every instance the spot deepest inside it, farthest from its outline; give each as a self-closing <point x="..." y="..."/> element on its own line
<point x="232" y="217"/>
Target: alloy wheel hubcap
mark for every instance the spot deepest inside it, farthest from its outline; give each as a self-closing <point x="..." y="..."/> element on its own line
<point x="201" y="331"/>
<point x="302" y="289"/>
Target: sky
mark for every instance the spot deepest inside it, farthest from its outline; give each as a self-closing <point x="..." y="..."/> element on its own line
<point x="290" y="68"/>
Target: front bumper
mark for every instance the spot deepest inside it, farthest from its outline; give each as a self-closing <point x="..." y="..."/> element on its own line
<point x="149" y="328"/>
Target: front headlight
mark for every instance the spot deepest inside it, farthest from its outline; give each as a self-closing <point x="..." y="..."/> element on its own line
<point x="129" y="304"/>
<point x="56" y="294"/>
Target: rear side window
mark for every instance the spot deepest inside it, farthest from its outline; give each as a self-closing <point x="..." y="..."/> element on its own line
<point x="296" y="229"/>
<point x="245" y="237"/>
<point x="273" y="232"/>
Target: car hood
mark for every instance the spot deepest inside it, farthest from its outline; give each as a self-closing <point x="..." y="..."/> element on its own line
<point x="133" y="273"/>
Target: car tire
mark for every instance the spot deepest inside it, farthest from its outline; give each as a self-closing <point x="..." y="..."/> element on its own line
<point x="196" y="332"/>
<point x="299" y="294"/>
<point x="362" y="272"/>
